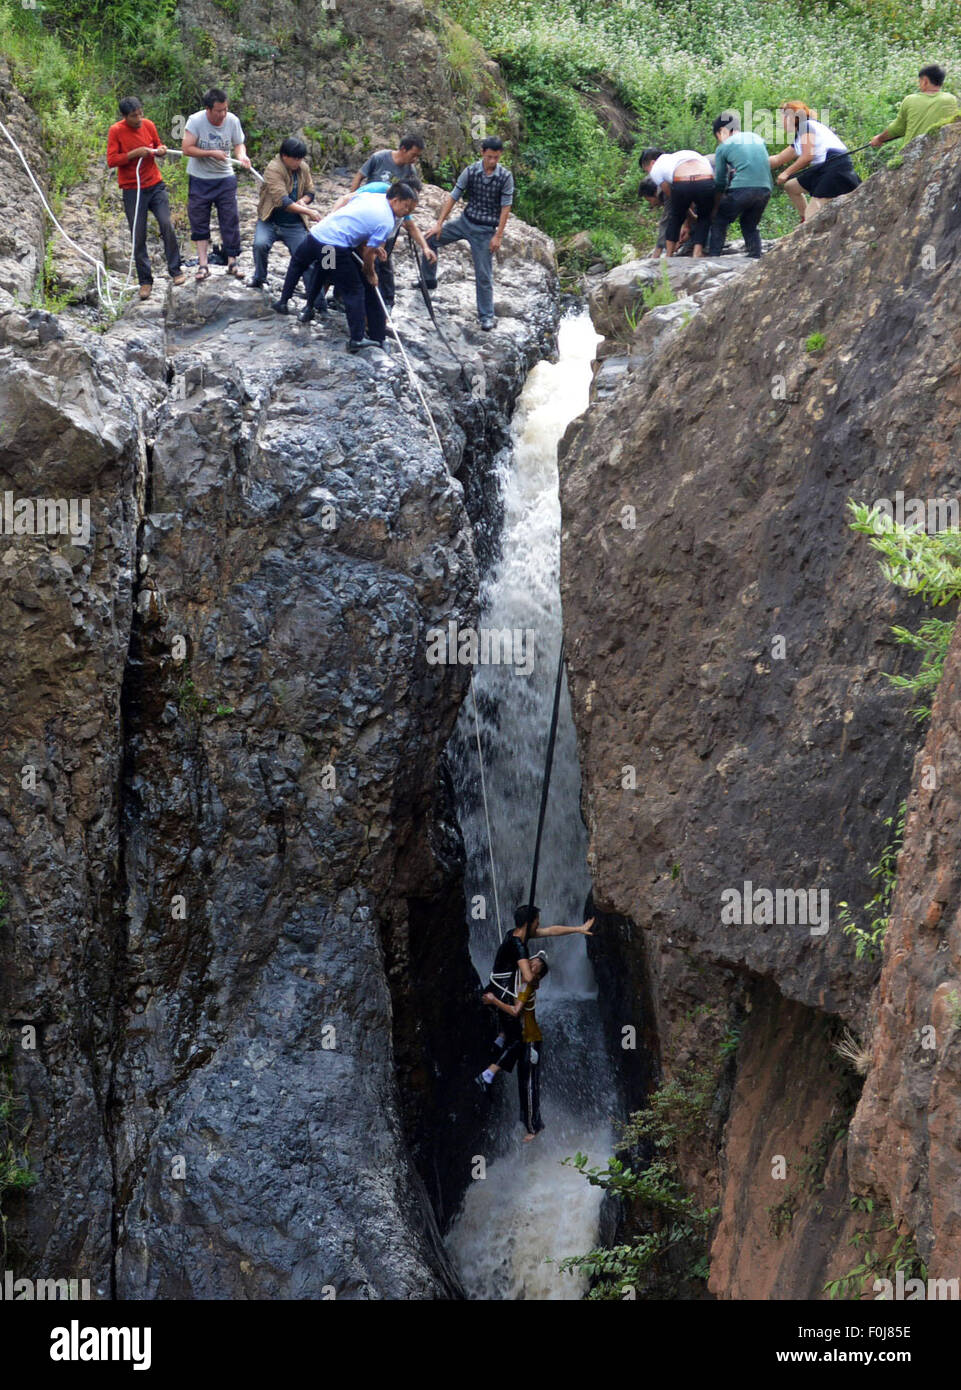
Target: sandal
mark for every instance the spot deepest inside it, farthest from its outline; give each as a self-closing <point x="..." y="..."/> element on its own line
<point x="203" y="272"/>
<point x="235" y="270"/>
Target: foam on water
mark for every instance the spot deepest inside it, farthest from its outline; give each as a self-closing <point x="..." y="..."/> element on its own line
<point x="530" y="1210"/>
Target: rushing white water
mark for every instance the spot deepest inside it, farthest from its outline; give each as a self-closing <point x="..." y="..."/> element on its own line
<point x="530" y="1210"/>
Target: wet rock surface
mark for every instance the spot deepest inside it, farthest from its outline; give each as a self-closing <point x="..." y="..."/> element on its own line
<point x="237" y="880"/>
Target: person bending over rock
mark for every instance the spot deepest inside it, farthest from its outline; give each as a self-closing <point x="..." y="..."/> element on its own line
<point x="683" y="180"/>
<point x="133" y="148"/>
<point x="526" y="1047"/>
<point x="744" y="198"/>
<point x="924" y="110"/>
<point x="489" y="190"/>
<point x="212" y="136"/>
<point x="345" y="246"/>
<point x="818" y="160"/>
<point x="283" y="209"/>
<point x="385" y="269"/>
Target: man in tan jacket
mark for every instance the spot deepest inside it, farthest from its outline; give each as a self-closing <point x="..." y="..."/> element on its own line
<point x="284" y="209"/>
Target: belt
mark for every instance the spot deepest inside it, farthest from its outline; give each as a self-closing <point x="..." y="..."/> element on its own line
<point x="692" y="178"/>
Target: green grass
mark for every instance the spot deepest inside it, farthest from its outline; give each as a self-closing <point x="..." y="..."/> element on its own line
<point x="675" y="67"/>
<point x="74" y="61"/>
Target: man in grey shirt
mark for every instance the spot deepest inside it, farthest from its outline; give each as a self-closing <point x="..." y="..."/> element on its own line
<point x="489" y="190"/>
<point x="212" y="137"/>
<point x="391" y="165"/>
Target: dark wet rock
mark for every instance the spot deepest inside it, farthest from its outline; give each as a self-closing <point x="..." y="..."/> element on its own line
<point x="237" y="880"/>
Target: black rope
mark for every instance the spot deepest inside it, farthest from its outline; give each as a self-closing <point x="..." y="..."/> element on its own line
<point x="547" y="772"/>
<point x="433" y="317"/>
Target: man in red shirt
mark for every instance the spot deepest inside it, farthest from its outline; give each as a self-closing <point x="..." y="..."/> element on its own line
<point x="134" y="139"/>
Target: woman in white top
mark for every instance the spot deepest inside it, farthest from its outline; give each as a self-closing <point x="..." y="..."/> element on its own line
<point x="684" y="181"/>
<point x="818" y="161"/>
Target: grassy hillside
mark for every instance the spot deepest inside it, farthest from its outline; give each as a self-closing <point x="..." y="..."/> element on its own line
<point x="672" y="67"/>
<point x="596" y="80"/>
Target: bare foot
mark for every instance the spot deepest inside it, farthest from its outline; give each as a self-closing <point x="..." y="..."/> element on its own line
<point x="529" y="1137"/>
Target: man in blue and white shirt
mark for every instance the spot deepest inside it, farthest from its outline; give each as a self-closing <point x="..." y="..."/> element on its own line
<point x="359" y="229"/>
<point x="489" y="190"/>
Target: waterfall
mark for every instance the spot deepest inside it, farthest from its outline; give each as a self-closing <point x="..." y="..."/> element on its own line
<point x="530" y="1210"/>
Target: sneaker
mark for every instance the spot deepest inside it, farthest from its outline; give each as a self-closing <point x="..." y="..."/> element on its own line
<point x="487" y="324"/>
<point x="357" y="344"/>
<point x="254" y="284"/>
<point x="280" y="306"/>
<point x="145" y="291"/>
<point x="305" y="316"/>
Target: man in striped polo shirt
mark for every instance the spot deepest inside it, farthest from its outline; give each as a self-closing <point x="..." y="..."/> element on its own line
<point x="489" y="190"/>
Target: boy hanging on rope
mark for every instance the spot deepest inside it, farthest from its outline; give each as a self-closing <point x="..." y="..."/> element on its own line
<point x="527" y="1049"/>
<point x="511" y="970"/>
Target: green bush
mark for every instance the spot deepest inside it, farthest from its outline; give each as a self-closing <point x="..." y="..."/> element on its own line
<point x="675" y="67"/>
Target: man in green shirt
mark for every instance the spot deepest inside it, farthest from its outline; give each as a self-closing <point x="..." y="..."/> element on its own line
<point x="742" y="157"/>
<point x="924" y="110"/>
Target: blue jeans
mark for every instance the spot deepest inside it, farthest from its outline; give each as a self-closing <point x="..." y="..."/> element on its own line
<point x="265" y="234"/>
<point x="478" y="239"/>
<point x="740" y="204"/>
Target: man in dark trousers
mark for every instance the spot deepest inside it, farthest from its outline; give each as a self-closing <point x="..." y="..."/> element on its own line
<point x="526" y="1047"/>
<point x="133" y="148"/>
<point x="742" y="182"/>
<point x="214" y="137"/>
<point x="489" y="190"/>
<point x="345" y="246"/>
<point x="510" y="971"/>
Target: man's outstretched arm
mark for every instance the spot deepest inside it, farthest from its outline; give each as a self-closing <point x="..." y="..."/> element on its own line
<point x="583" y="930"/>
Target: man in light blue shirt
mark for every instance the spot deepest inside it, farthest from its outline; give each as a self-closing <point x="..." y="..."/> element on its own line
<point x="345" y="246"/>
<point x="741" y="157"/>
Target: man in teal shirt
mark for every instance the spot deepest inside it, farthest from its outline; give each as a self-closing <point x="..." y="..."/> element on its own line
<point x="742" y="157"/>
<point x="924" y="110"/>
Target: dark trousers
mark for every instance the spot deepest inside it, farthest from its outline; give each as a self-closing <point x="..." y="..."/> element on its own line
<point x="308" y="260"/>
<point x="529" y="1086"/>
<point x="153" y="200"/>
<point x="478" y="238"/>
<point x="506" y="1054"/>
<point x="684" y="194"/>
<point x="744" y="205"/>
<point x="385" y="274"/>
<point x="365" y="317"/>
<point x="202" y="195"/>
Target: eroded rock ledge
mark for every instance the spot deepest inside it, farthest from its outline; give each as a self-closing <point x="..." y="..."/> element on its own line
<point x="704" y="518"/>
<point x="234" y="854"/>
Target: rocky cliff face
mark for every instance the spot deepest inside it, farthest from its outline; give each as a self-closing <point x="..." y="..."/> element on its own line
<point x="727" y="636"/>
<point x="225" y="834"/>
<point x="361" y="74"/>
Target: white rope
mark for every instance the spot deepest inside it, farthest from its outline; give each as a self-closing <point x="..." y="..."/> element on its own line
<point x="250" y="169"/>
<point x="487" y="819"/>
<point x="103" y="275"/>
<point x="410" y="371"/>
<point x="133" y="231"/>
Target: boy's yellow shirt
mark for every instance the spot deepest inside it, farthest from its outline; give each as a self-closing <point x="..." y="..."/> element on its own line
<point x="530" y="1032"/>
